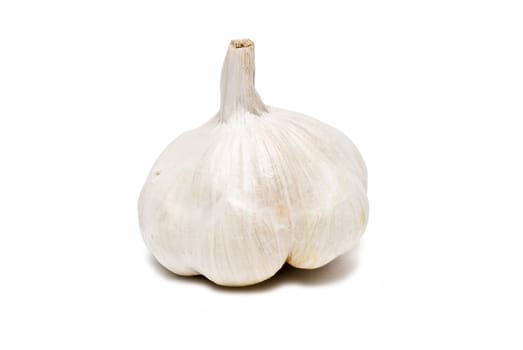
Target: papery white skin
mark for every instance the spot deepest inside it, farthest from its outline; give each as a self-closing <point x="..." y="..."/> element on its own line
<point x="253" y="188"/>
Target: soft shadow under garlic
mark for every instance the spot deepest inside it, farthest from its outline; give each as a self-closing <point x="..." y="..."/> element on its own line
<point x="336" y="271"/>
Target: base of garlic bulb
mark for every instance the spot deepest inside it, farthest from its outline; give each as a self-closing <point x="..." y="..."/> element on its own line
<point x="252" y="189"/>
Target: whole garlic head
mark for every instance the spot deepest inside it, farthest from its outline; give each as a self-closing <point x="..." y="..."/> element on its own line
<point x="253" y="188"/>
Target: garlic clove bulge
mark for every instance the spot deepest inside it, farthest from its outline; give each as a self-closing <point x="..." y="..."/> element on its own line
<point x="253" y="188"/>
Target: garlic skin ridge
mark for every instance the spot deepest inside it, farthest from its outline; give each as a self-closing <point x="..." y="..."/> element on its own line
<point x="253" y="188"/>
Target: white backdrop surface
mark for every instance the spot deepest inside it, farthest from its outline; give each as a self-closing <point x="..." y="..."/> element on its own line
<point x="430" y="92"/>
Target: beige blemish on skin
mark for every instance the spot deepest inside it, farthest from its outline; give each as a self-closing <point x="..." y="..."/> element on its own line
<point x="312" y="257"/>
<point x="307" y="259"/>
<point x="363" y="218"/>
<point x="282" y="211"/>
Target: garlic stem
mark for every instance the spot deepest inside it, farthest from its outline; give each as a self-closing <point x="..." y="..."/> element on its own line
<point x="238" y="93"/>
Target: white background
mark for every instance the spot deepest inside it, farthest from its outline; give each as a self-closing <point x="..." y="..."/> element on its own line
<point x="430" y="91"/>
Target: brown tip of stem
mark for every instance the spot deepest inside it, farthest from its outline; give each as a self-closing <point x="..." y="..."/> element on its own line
<point x="241" y="43"/>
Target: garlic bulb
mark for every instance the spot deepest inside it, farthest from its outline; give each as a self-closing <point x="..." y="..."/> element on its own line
<point x="253" y="188"/>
